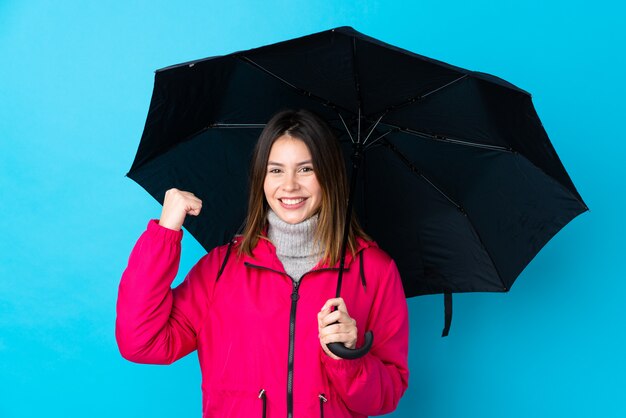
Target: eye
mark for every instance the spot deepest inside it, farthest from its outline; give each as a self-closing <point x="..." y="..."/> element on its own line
<point x="307" y="169"/>
<point x="274" y="170"/>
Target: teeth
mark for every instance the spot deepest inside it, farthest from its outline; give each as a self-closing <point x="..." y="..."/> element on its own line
<point x="291" y="201"/>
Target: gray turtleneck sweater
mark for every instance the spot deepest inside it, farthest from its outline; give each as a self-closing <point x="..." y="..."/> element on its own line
<point x="294" y="244"/>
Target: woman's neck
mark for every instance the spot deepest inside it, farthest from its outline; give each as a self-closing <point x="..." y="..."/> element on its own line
<point x="295" y="244"/>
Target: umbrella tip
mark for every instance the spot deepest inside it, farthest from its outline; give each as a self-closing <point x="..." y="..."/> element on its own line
<point x="344" y="29"/>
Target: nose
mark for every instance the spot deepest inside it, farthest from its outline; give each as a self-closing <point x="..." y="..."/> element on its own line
<point x="291" y="182"/>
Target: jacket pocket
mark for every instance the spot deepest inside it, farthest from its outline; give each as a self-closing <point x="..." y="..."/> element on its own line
<point x="235" y="402"/>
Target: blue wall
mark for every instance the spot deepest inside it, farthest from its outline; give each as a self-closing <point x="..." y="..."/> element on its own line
<point x="75" y="84"/>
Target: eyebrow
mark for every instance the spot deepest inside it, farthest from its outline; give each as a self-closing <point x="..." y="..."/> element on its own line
<point x="282" y="165"/>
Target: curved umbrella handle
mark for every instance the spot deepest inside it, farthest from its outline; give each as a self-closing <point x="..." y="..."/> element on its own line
<point x="342" y="351"/>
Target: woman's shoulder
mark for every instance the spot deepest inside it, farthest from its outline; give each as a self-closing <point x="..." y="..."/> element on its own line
<point x="216" y="258"/>
<point x="379" y="268"/>
<point x="373" y="254"/>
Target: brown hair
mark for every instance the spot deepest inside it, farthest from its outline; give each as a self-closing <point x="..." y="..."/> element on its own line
<point x="329" y="170"/>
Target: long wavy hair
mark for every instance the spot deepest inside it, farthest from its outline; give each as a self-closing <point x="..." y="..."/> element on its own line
<point x="329" y="170"/>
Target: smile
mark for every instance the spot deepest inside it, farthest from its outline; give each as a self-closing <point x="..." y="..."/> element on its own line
<point x="292" y="203"/>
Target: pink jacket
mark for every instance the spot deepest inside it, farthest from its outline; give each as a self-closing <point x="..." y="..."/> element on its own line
<point x="255" y="329"/>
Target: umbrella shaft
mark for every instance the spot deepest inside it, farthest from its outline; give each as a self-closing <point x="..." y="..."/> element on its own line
<point x="356" y="164"/>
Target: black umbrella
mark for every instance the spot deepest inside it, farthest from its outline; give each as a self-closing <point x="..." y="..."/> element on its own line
<point x="459" y="182"/>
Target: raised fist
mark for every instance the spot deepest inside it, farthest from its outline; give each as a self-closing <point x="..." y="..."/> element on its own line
<point x="176" y="205"/>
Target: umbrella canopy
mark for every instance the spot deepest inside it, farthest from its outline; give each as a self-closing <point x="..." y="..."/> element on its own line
<point x="459" y="182"/>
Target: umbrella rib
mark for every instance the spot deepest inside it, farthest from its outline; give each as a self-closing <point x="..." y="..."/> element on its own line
<point x="457" y="141"/>
<point x="417" y="172"/>
<point x="301" y="91"/>
<point x="372" y="129"/>
<point x="422" y="96"/>
<point x="371" y="144"/>
<point x="345" y="126"/>
<point x="357" y="87"/>
<point x="444" y="138"/>
<point x="411" y="101"/>
<point x="444" y="86"/>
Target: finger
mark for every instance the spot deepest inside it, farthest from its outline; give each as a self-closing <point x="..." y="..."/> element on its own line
<point x="338" y="329"/>
<point x="180" y="194"/>
<point x="181" y="199"/>
<point x="326" y="310"/>
<point x="336" y="316"/>
<point x="194" y="212"/>
<point x="338" y="303"/>
<point x="331" y="329"/>
<point x="194" y="208"/>
<point x="192" y="198"/>
<point x="330" y="318"/>
<point x="320" y="317"/>
<point x="349" y="340"/>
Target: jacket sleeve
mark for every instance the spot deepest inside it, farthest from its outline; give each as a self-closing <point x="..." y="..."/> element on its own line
<point x="156" y="324"/>
<point x="374" y="383"/>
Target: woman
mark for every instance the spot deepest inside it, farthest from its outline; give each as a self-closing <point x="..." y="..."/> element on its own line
<point x="261" y="309"/>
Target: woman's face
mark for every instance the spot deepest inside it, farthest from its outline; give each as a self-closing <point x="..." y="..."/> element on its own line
<point x="291" y="187"/>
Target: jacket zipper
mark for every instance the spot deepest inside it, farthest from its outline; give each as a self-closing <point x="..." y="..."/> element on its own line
<point x="323" y="400"/>
<point x="263" y="398"/>
<point x="292" y="332"/>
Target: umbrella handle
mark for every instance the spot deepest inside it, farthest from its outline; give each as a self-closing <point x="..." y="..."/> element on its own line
<point x="342" y="351"/>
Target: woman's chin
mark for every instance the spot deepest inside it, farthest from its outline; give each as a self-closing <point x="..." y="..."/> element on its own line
<point x="291" y="219"/>
<point x="291" y="216"/>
